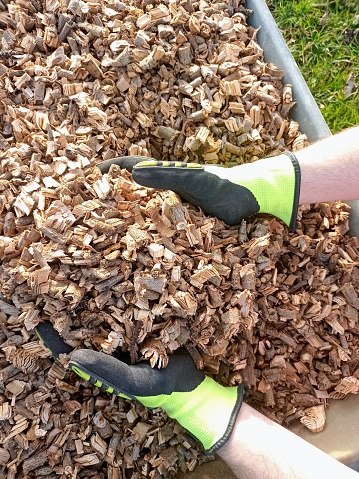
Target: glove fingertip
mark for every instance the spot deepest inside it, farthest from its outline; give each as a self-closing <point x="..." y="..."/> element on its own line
<point x="124" y="162"/>
<point x="52" y="339"/>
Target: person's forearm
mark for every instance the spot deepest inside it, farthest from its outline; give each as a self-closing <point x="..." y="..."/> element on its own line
<point x="330" y="169"/>
<point x="259" y="448"/>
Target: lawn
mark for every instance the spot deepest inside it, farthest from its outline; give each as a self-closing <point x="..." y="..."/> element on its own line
<point x="324" y="40"/>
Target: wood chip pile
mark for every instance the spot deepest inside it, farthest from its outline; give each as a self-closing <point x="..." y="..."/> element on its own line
<point x="115" y="265"/>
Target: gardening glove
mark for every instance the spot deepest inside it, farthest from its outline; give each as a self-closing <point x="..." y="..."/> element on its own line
<point x="270" y="185"/>
<point x="202" y="406"/>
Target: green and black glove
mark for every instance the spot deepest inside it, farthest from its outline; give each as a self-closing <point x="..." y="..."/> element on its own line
<point x="205" y="408"/>
<point x="271" y="185"/>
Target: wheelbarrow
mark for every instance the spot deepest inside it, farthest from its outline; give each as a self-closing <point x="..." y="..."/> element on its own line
<point x="339" y="437"/>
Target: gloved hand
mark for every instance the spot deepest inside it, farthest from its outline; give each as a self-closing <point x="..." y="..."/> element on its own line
<point x="271" y="185"/>
<point x="202" y="406"/>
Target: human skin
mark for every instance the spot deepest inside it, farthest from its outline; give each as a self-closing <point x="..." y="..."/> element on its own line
<point x="330" y="168"/>
<point x="258" y="448"/>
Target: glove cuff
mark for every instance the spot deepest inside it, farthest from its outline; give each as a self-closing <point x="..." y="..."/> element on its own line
<point x="241" y="393"/>
<point x="284" y="175"/>
<point x="208" y="412"/>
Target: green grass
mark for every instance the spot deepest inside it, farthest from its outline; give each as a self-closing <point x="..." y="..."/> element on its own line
<point x="322" y="53"/>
